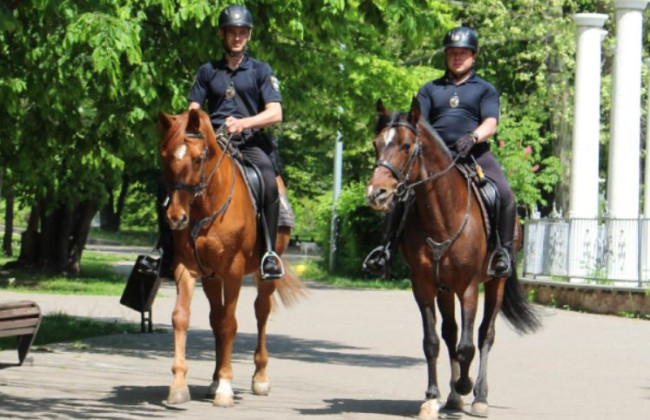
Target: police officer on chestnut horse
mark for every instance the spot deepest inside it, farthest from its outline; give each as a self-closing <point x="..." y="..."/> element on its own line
<point x="464" y="111"/>
<point x="243" y="95"/>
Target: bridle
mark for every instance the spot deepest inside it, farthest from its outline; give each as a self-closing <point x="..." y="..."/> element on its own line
<point x="402" y="176"/>
<point x="198" y="188"/>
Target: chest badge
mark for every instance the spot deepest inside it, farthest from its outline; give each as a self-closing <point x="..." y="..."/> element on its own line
<point x="454" y="101"/>
<point x="230" y="91"/>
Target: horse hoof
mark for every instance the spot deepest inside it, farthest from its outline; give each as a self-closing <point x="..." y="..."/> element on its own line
<point x="178" y="396"/>
<point x="429" y="410"/>
<point x="261" y="388"/>
<point x="464" y="386"/>
<point x="223" y="401"/>
<point x="480" y="409"/>
<point x="224" y="395"/>
<point x="455" y="403"/>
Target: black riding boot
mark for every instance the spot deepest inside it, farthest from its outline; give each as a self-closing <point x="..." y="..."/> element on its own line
<point x="505" y="258"/>
<point x="379" y="260"/>
<point x="271" y="264"/>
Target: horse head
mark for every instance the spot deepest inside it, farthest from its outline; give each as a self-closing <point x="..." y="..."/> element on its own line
<point x="186" y="146"/>
<point x="397" y="148"/>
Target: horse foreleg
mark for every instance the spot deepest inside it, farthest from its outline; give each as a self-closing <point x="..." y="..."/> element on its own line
<point x="261" y="384"/>
<point x="493" y="298"/>
<point x="224" y="395"/>
<point x="466" y="348"/>
<point x="179" y="391"/>
<point x="425" y="297"/>
<point x="447" y="308"/>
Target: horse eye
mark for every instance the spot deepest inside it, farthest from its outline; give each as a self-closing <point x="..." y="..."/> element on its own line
<point x="197" y="161"/>
<point x="406" y="147"/>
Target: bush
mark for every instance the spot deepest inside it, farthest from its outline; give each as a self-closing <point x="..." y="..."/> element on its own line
<point x="359" y="231"/>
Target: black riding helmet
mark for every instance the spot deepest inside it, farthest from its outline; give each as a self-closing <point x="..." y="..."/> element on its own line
<point x="461" y="37"/>
<point x="235" y="15"/>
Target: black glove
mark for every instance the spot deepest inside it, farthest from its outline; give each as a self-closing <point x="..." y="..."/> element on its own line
<point x="464" y="144"/>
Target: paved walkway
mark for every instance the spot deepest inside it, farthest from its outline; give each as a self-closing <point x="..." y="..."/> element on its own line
<point x="339" y="354"/>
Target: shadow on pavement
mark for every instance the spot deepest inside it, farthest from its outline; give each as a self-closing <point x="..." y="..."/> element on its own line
<point x="200" y="346"/>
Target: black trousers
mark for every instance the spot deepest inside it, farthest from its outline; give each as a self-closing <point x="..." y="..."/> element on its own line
<point x="260" y="152"/>
<point x="492" y="170"/>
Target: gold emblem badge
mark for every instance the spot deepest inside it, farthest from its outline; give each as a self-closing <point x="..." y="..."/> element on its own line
<point x="453" y="101"/>
<point x="230" y="91"/>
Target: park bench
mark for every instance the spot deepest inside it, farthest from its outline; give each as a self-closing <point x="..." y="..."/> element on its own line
<point x="20" y="319"/>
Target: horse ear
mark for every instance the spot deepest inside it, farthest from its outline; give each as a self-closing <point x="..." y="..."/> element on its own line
<point x="414" y="113"/>
<point x="193" y="121"/>
<point x="381" y="110"/>
<point x="164" y="121"/>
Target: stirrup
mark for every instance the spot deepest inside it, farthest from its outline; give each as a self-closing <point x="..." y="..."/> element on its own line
<point x="497" y="253"/>
<point x="371" y="264"/>
<point x="271" y="276"/>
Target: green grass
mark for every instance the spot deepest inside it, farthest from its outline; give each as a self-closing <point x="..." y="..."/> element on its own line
<point x="63" y="328"/>
<point x="97" y="277"/>
<point x="312" y="271"/>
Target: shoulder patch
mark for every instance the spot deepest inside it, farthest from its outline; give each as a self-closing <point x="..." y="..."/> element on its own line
<point x="275" y="83"/>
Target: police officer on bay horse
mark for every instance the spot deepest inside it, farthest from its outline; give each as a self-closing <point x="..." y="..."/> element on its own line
<point x="464" y="111"/>
<point x="243" y="95"/>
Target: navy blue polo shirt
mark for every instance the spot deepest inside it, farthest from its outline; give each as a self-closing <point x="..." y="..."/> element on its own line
<point x="454" y="110"/>
<point x="255" y="83"/>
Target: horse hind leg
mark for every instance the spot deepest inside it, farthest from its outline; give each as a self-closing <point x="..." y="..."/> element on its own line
<point x="261" y="384"/>
<point x="179" y="392"/>
<point x="493" y="298"/>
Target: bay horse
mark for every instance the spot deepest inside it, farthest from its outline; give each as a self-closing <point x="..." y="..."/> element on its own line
<point x="215" y="234"/>
<point x="445" y="246"/>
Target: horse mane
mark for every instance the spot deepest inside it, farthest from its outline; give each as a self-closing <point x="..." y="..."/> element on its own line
<point x="429" y="132"/>
<point x="433" y="136"/>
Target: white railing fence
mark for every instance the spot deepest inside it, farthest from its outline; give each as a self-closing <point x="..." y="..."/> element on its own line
<point x="606" y="251"/>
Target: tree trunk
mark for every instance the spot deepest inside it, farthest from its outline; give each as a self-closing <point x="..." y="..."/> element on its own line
<point x="30" y="238"/>
<point x="9" y="222"/>
<point x="83" y="217"/>
<point x="111" y="213"/>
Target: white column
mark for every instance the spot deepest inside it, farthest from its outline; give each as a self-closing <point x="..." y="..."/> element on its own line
<point x="646" y="194"/>
<point x="586" y="125"/>
<point x="583" y="209"/>
<point x="624" y="147"/>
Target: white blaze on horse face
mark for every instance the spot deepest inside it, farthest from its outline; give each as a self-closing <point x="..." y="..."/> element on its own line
<point x="180" y="152"/>
<point x="389" y="136"/>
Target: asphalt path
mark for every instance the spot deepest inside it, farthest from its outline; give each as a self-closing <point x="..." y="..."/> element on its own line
<point x="338" y="354"/>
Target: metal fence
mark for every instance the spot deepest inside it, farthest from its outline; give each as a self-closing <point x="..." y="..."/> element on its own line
<point x="605" y="251"/>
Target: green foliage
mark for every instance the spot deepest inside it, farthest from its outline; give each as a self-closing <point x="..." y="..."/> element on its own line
<point x="359" y="231"/>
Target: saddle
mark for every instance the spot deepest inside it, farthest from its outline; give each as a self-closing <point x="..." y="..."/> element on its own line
<point x="255" y="185"/>
<point x="488" y="198"/>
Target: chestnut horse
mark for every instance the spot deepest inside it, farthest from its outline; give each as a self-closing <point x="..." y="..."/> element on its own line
<point x="216" y="239"/>
<point x="444" y="243"/>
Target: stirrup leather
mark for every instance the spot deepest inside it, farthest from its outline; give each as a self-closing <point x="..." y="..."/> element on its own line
<point x="271" y="276"/>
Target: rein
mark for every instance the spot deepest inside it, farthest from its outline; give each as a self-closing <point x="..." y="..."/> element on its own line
<point x="404" y="191"/>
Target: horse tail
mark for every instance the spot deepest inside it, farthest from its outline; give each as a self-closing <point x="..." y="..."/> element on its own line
<point x="516" y="308"/>
<point x="289" y="287"/>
